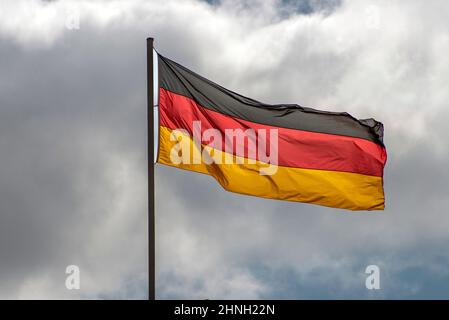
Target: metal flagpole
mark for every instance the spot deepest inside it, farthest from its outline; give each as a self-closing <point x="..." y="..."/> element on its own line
<point x="150" y="150"/>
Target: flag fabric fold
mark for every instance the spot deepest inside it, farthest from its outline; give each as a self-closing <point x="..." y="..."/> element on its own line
<point x="284" y="151"/>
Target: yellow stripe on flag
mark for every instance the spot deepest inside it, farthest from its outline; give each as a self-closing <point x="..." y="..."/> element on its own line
<point x="327" y="188"/>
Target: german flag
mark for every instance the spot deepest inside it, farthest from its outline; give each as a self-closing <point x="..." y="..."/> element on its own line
<point x="285" y="151"/>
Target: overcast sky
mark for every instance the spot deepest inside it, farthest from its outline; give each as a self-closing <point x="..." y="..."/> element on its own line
<point x="73" y="149"/>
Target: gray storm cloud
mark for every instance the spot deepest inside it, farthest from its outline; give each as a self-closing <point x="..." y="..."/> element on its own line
<point x="73" y="157"/>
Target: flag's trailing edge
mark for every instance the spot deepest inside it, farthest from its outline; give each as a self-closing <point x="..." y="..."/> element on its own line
<point x="326" y="158"/>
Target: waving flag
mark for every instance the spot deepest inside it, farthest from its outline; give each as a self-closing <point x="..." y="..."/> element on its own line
<point x="284" y="151"/>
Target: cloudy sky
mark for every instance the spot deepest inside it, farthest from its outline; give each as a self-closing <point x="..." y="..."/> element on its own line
<point x="73" y="149"/>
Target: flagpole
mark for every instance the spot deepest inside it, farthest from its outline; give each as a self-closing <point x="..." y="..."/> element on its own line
<point x="150" y="150"/>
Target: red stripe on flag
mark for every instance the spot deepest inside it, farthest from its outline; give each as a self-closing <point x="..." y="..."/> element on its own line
<point x="296" y="148"/>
